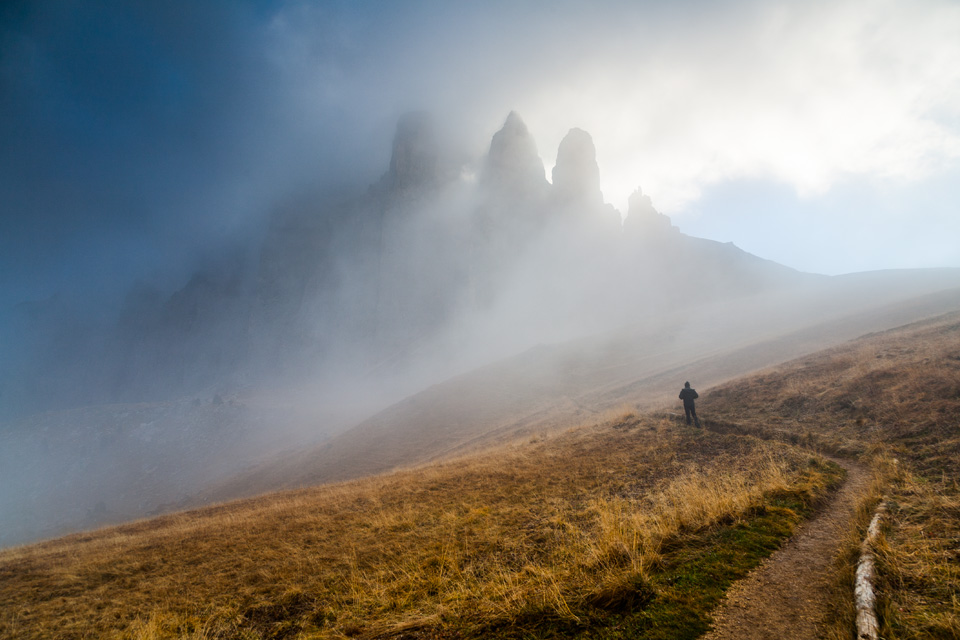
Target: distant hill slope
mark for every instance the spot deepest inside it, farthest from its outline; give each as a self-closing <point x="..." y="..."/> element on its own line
<point x="558" y="385"/>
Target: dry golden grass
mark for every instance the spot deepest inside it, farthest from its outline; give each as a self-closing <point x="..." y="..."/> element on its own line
<point x="919" y="562"/>
<point x="892" y="399"/>
<point x="550" y="528"/>
<point x="547" y="529"/>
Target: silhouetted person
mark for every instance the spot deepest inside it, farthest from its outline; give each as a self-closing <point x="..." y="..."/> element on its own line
<point x="688" y="395"/>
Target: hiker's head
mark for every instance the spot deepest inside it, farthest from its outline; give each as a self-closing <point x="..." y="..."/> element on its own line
<point x="686" y="384"/>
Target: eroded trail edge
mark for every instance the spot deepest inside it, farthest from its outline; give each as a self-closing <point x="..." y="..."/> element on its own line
<point x="787" y="595"/>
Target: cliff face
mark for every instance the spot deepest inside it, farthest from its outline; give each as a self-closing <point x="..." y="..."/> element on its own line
<point x="576" y="178"/>
<point x="513" y="169"/>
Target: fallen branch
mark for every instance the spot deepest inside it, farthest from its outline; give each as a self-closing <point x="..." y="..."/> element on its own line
<point x="867" y="626"/>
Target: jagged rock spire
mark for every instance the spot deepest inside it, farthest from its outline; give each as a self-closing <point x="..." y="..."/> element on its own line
<point x="576" y="176"/>
<point x="640" y="205"/>
<point x="643" y="220"/>
<point x="513" y="164"/>
<point x="416" y="157"/>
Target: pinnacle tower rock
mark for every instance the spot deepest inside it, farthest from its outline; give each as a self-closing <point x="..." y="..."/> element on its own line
<point x="576" y="176"/>
<point x="416" y="156"/>
<point x="513" y="165"/>
<point x="645" y="223"/>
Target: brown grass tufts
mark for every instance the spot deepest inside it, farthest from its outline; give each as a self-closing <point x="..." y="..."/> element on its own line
<point x="892" y="399"/>
<point x="549" y="530"/>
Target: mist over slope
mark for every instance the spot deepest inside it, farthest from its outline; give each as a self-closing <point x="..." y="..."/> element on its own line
<point x="444" y="252"/>
<point x="562" y="385"/>
<point x="352" y="301"/>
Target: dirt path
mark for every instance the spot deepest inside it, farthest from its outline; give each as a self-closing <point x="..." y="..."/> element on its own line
<point x="786" y="597"/>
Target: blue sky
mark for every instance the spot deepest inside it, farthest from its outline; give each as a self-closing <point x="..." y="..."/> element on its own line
<point x="139" y="136"/>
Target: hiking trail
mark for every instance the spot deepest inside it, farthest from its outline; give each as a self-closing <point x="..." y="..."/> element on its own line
<point x="787" y="596"/>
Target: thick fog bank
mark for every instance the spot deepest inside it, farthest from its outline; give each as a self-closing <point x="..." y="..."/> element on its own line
<point x="445" y="246"/>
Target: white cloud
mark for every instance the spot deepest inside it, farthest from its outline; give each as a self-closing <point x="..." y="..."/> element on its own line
<point x="805" y="94"/>
<point x="679" y="97"/>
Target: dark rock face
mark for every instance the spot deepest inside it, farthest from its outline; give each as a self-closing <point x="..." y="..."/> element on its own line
<point x="513" y="166"/>
<point x="644" y="223"/>
<point x="416" y="155"/>
<point x="510" y="213"/>
<point x="576" y="176"/>
<point x="184" y="341"/>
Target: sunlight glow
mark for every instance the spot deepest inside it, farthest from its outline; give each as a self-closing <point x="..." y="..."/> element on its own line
<point x="835" y="97"/>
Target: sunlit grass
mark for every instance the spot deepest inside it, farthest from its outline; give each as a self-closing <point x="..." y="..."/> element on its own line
<point x="554" y="533"/>
<point x="893" y="399"/>
<point x="629" y="527"/>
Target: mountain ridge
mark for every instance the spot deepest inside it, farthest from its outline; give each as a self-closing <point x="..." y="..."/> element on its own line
<point x="341" y="281"/>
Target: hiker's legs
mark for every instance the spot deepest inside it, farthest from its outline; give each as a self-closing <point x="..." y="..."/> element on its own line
<point x="696" y="420"/>
<point x="688" y="410"/>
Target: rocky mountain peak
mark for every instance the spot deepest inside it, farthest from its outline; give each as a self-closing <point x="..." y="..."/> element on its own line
<point x="643" y="220"/>
<point x="513" y="164"/>
<point x="576" y="175"/>
<point x="416" y="156"/>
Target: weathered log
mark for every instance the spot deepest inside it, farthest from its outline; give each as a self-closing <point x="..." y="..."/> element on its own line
<point x="867" y="625"/>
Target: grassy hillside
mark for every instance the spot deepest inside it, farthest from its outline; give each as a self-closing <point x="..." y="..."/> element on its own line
<point x="627" y="526"/>
<point x="892" y="398"/>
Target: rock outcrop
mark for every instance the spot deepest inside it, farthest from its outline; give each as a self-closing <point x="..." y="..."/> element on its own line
<point x="513" y="167"/>
<point x="644" y="223"/>
<point x="418" y="159"/>
<point x="576" y="176"/>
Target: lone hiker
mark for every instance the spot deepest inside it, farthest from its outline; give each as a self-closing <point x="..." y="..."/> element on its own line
<point x="688" y="395"/>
